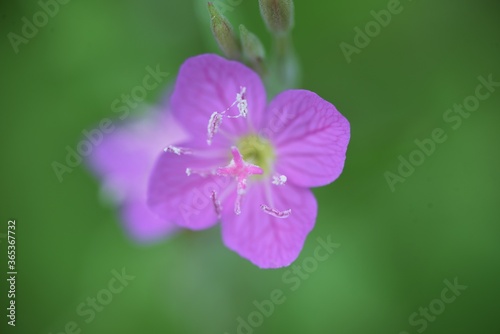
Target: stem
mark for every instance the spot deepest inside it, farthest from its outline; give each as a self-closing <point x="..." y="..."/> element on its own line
<point x="282" y="47"/>
<point x="284" y="68"/>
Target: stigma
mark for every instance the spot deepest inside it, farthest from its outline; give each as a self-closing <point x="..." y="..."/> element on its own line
<point x="240" y="170"/>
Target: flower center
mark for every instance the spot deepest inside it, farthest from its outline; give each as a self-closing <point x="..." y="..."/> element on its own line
<point x="252" y="157"/>
<point x="241" y="171"/>
<point x="257" y="151"/>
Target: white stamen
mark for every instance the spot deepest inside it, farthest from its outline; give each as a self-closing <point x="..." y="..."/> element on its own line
<point x="237" y="204"/>
<point x="213" y="125"/>
<point x="279" y="180"/>
<point x="240" y="191"/>
<point x="276" y="213"/>
<point x="242" y="187"/>
<point x="216" y="202"/>
<point x="242" y="104"/>
<point x="216" y="118"/>
<point x="202" y="173"/>
<point x="176" y="150"/>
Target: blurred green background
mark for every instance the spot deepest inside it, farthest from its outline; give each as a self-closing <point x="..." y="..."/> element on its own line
<point x="397" y="247"/>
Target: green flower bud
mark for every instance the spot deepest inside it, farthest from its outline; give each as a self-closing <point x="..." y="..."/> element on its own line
<point x="252" y="46"/>
<point x="278" y="15"/>
<point x="224" y="33"/>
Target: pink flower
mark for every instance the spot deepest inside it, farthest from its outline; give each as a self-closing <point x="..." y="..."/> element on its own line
<point x="249" y="166"/>
<point x="124" y="159"/>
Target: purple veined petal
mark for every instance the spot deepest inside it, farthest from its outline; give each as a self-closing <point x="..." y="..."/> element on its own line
<point x="310" y="138"/>
<point x="209" y="83"/>
<point x="265" y="240"/>
<point x="181" y="187"/>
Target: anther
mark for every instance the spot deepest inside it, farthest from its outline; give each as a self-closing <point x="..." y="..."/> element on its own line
<point x="276" y="213"/>
<point x="241" y="103"/>
<point x="279" y="180"/>
<point x="202" y="173"/>
<point x="213" y="126"/>
<point x="177" y="150"/>
<point x="216" y="118"/>
<point x="216" y="202"/>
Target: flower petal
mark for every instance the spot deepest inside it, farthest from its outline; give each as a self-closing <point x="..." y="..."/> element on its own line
<point x="185" y="200"/>
<point x="123" y="160"/>
<point x="310" y="138"/>
<point x="142" y="224"/>
<point x="267" y="241"/>
<point x="209" y="83"/>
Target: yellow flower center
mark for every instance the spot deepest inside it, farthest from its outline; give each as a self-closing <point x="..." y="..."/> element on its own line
<point x="258" y="151"/>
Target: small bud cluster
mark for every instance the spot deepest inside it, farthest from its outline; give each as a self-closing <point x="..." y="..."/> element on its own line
<point x="278" y="16"/>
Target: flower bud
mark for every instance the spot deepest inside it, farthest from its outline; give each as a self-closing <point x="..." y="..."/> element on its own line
<point x="224" y="33"/>
<point x="252" y="46"/>
<point x="278" y="15"/>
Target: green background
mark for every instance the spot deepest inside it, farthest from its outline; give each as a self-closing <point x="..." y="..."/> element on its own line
<point x="397" y="247"/>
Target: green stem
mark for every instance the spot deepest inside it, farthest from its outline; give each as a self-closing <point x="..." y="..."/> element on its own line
<point x="284" y="68"/>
